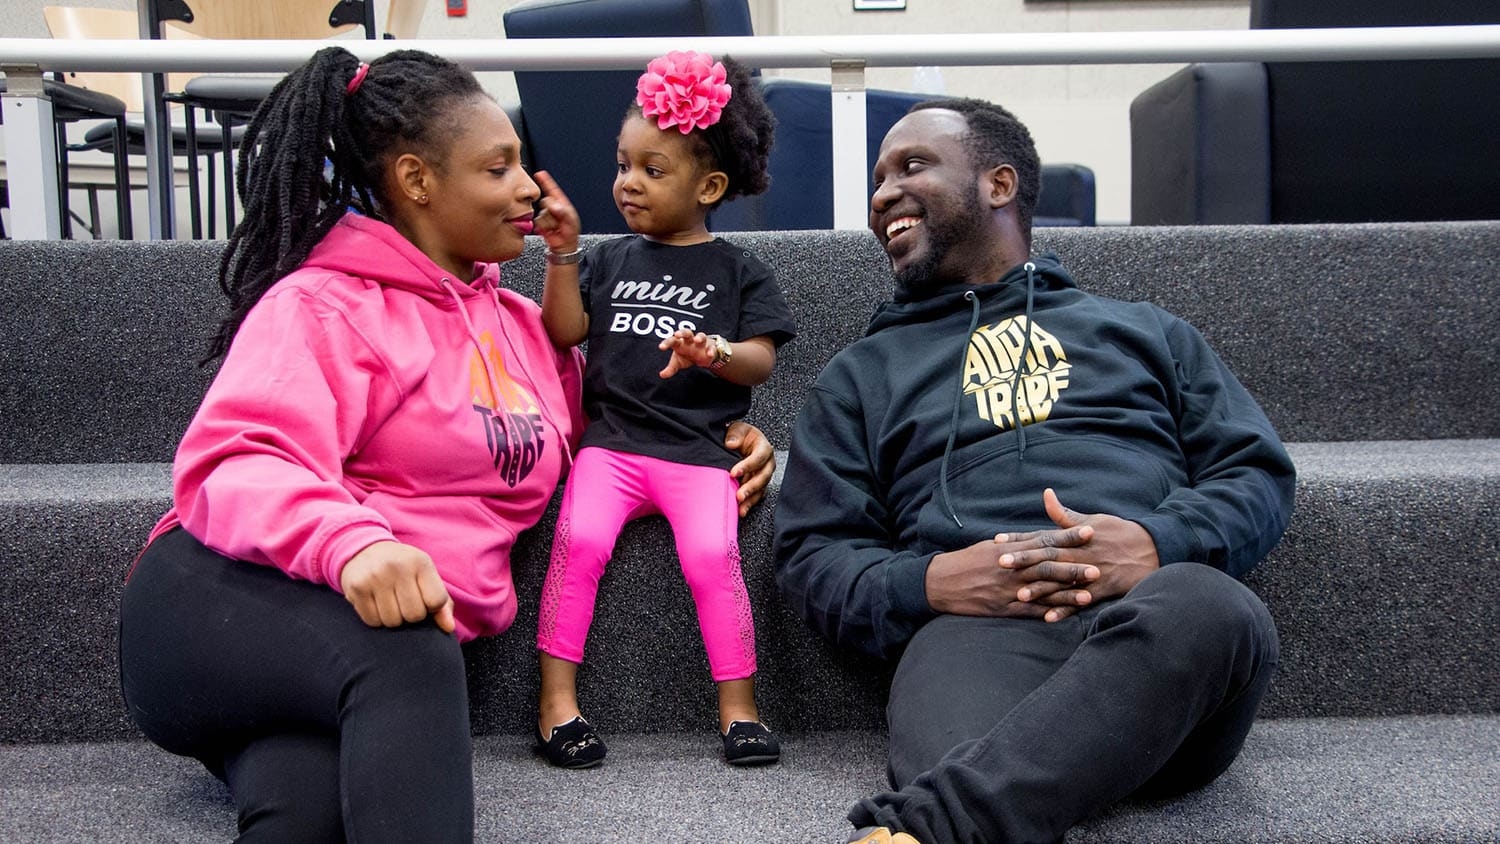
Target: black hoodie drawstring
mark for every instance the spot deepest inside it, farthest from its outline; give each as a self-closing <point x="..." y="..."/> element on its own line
<point x="1023" y="368"/>
<point x="958" y="398"/>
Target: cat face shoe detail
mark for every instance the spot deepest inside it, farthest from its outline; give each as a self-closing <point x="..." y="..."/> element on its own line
<point x="573" y="745"/>
<point x="750" y="743"/>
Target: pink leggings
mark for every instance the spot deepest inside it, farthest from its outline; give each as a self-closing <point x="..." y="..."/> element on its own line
<point x="609" y="488"/>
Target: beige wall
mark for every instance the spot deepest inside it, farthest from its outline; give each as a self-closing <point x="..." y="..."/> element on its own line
<point x="1078" y="114"/>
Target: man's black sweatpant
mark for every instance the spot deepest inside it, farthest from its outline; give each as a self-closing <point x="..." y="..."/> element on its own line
<point x="1010" y="731"/>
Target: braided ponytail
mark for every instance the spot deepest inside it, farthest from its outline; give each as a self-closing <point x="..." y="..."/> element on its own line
<point x="314" y="150"/>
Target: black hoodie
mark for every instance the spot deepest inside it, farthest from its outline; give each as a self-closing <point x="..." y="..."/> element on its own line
<point x="906" y="446"/>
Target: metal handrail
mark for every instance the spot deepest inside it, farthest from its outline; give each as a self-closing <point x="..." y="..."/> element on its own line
<point x="846" y="55"/>
<point x="791" y="51"/>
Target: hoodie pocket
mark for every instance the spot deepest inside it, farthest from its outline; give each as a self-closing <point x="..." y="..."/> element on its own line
<point x="995" y="491"/>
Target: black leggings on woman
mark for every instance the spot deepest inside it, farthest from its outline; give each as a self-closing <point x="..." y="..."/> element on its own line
<point x="324" y="729"/>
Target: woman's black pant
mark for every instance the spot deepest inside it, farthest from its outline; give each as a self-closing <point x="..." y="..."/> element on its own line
<point x="1013" y="730"/>
<point x="325" y="729"/>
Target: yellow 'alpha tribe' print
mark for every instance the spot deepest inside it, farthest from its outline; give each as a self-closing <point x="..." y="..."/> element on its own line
<point x="990" y="372"/>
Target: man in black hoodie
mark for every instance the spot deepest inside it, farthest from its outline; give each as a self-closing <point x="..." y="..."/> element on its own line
<point x="1039" y="501"/>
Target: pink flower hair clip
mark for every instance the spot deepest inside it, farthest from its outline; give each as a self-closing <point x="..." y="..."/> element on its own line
<point x="685" y="89"/>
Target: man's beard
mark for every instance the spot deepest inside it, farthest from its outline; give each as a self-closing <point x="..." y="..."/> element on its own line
<point x="920" y="278"/>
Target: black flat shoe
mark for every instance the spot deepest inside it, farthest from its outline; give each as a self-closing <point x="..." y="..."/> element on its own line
<point x="573" y="745"/>
<point x="750" y="743"/>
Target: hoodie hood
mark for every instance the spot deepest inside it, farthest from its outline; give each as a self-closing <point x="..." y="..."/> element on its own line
<point x="370" y="396"/>
<point x="365" y="247"/>
<point x="1007" y="291"/>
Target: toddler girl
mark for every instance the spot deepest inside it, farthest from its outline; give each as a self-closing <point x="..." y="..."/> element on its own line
<point x="697" y="134"/>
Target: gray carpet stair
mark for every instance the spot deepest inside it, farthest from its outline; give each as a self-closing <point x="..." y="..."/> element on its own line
<point x="1373" y="349"/>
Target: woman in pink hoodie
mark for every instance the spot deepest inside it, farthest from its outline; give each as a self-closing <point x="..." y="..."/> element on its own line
<point x="385" y="422"/>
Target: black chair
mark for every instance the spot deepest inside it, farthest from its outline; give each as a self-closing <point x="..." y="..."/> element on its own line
<point x="127" y="137"/>
<point x="801" y="192"/>
<point x="70" y="104"/>
<point x="1305" y="142"/>
<point x="230" y="102"/>
<point x="187" y="143"/>
<point x="1067" y="198"/>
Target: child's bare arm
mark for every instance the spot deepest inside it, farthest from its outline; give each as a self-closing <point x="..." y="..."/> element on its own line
<point x="563" y="313"/>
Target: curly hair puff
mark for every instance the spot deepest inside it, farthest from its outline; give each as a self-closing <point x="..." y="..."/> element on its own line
<point x="739" y="144"/>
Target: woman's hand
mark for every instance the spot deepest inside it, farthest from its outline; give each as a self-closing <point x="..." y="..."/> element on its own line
<point x="755" y="470"/>
<point x="557" y="222"/>
<point x="391" y="584"/>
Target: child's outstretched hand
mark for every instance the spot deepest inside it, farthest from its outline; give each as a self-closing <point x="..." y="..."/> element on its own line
<point x="557" y="222"/>
<point x="688" y="348"/>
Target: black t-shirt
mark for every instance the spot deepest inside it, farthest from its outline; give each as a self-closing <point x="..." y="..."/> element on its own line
<point x="638" y="292"/>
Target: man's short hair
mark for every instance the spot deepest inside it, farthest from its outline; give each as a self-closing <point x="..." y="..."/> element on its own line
<point x="996" y="137"/>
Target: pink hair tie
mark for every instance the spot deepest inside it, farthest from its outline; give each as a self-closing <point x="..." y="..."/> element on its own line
<point x="359" y="78"/>
<point x="685" y="89"/>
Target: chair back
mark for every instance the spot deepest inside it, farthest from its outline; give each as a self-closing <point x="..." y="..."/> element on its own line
<point x="120" y="24"/>
<point x="1373" y="141"/>
<point x="801" y="165"/>
<point x="1067" y="197"/>
<point x="403" y="18"/>
<point x="266" y="19"/>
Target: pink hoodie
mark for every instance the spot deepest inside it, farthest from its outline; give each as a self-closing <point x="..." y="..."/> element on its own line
<point x="368" y="396"/>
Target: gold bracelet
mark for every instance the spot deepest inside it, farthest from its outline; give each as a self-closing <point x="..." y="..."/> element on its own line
<point x="723" y="352"/>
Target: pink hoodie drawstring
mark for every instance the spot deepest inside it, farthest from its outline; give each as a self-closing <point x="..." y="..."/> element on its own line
<point x="489" y="371"/>
<point x="567" y="447"/>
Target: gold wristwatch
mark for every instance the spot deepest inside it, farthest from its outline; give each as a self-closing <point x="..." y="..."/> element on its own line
<point x="722" y="353"/>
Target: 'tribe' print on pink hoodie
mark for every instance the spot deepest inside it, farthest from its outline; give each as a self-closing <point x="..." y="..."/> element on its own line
<point x="370" y="396"/>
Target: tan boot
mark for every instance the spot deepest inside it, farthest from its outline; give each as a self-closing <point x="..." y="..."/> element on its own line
<point x="882" y="835"/>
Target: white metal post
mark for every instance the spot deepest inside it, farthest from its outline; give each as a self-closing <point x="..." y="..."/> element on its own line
<point x="160" y="206"/>
<point x="850" y="170"/>
<point x="30" y="156"/>
<point x="161" y="213"/>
